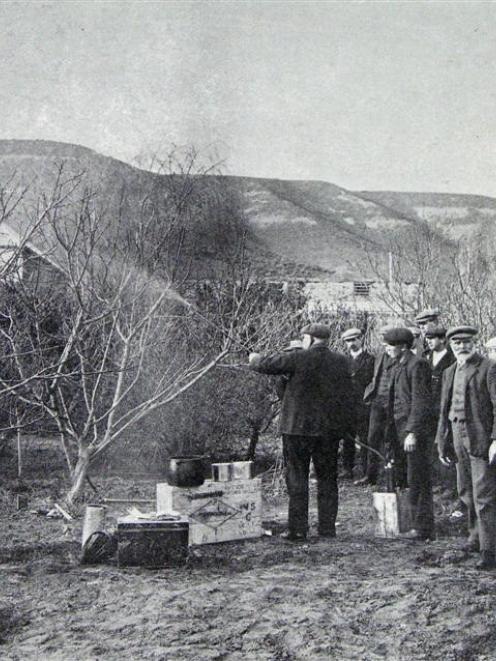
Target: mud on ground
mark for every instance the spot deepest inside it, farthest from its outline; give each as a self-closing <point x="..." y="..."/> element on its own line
<point x="355" y="597"/>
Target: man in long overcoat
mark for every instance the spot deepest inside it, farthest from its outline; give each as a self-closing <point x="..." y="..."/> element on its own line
<point x="315" y="413"/>
<point x="411" y="418"/>
<point x="466" y="433"/>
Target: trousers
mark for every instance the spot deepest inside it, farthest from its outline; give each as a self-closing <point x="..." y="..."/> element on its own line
<point x="413" y="469"/>
<point x="377" y="426"/>
<point x="476" y="483"/>
<point x="298" y="451"/>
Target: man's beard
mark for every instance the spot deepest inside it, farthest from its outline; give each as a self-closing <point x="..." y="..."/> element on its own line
<point x="462" y="358"/>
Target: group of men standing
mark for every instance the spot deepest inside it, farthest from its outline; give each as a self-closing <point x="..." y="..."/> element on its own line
<point x="427" y="389"/>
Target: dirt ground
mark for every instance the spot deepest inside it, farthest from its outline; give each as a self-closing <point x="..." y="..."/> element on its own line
<point x="355" y="597"/>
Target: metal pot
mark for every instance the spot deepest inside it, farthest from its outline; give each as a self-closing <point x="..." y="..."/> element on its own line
<point x="186" y="471"/>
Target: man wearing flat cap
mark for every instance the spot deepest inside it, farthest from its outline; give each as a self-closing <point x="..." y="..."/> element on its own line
<point x="426" y="319"/>
<point x="466" y="433"/>
<point x="362" y="371"/>
<point x="376" y="396"/>
<point x="315" y="415"/>
<point x="440" y="357"/>
<point x="411" y="427"/>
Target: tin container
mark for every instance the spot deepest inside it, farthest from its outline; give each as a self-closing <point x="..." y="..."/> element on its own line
<point x="152" y="543"/>
<point x="242" y="470"/>
<point x="222" y="472"/>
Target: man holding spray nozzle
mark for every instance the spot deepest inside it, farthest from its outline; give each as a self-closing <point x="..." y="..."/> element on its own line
<point x="315" y="415"/>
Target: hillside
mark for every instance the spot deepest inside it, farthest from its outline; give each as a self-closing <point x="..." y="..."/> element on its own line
<point x="295" y="229"/>
<point x="455" y="215"/>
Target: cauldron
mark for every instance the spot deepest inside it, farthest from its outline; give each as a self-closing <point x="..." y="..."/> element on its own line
<point x="186" y="471"/>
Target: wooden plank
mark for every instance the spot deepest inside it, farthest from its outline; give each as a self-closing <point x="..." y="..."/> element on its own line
<point x="217" y="511"/>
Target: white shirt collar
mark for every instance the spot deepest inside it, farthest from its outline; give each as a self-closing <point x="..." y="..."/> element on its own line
<point x="437" y="356"/>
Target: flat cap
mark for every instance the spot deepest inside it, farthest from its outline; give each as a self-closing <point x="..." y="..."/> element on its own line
<point x="436" y="331"/>
<point x="429" y="314"/>
<point x="399" y="336"/>
<point x="320" y="331"/>
<point x="461" y="332"/>
<point x="294" y="345"/>
<point x="386" y="328"/>
<point x="351" y="334"/>
<point x="491" y="344"/>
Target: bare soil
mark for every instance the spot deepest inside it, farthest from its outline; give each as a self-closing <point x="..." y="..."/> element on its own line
<point x="354" y="597"/>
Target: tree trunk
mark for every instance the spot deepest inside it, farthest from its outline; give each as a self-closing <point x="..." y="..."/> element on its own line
<point x="79" y="476"/>
<point x="252" y="448"/>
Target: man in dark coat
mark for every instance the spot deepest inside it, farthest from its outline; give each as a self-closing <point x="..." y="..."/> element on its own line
<point x="467" y="433"/>
<point x="440" y="357"/>
<point x="411" y="418"/>
<point x="362" y="371"/>
<point x="376" y="396"/>
<point x="426" y="319"/>
<point x="315" y="414"/>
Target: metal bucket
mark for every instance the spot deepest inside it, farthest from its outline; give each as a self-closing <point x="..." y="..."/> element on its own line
<point x="94" y="520"/>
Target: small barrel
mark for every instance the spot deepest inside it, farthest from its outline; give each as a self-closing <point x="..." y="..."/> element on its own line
<point x="94" y="519"/>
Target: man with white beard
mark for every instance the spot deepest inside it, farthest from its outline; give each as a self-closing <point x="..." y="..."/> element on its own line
<point x="467" y="433"/>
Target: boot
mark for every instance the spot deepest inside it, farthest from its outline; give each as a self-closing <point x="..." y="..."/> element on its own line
<point x="487" y="560"/>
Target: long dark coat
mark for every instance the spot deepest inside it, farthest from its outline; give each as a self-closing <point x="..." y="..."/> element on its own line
<point x="411" y="381"/>
<point x="382" y="362"/>
<point x="480" y="407"/>
<point x="437" y="375"/>
<point x="362" y="372"/>
<point x="318" y="398"/>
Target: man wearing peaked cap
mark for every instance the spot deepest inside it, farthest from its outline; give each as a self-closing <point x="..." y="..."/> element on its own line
<point x="427" y="316"/>
<point x="425" y="319"/>
<point x="410" y="415"/>
<point x="315" y="415"/>
<point x="362" y="371"/>
<point x="467" y="432"/>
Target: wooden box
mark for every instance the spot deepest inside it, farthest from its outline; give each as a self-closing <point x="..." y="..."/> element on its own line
<point x="152" y="543"/>
<point x="217" y="511"/>
<point x="393" y="515"/>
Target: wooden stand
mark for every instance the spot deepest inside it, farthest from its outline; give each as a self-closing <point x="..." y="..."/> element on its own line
<point x="217" y="511"/>
<point x="393" y="514"/>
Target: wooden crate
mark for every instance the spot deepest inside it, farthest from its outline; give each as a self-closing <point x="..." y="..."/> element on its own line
<point x="217" y="511"/>
<point x="393" y="514"/>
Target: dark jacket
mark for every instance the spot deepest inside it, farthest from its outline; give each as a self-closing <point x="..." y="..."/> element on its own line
<point x="480" y="407"/>
<point x="362" y="372"/>
<point x="411" y="397"/>
<point x="382" y="362"/>
<point x="437" y="376"/>
<point x="318" y="398"/>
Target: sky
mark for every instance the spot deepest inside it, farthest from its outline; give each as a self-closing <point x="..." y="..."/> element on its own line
<point x="367" y="95"/>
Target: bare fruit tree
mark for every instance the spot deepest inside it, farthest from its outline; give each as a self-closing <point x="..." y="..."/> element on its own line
<point x="96" y="333"/>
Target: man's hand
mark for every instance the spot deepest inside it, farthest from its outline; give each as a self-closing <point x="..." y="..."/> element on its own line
<point x="253" y="357"/>
<point x="446" y="461"/>
<point x="410" y="442"/>
<point x="492" y="453"/>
